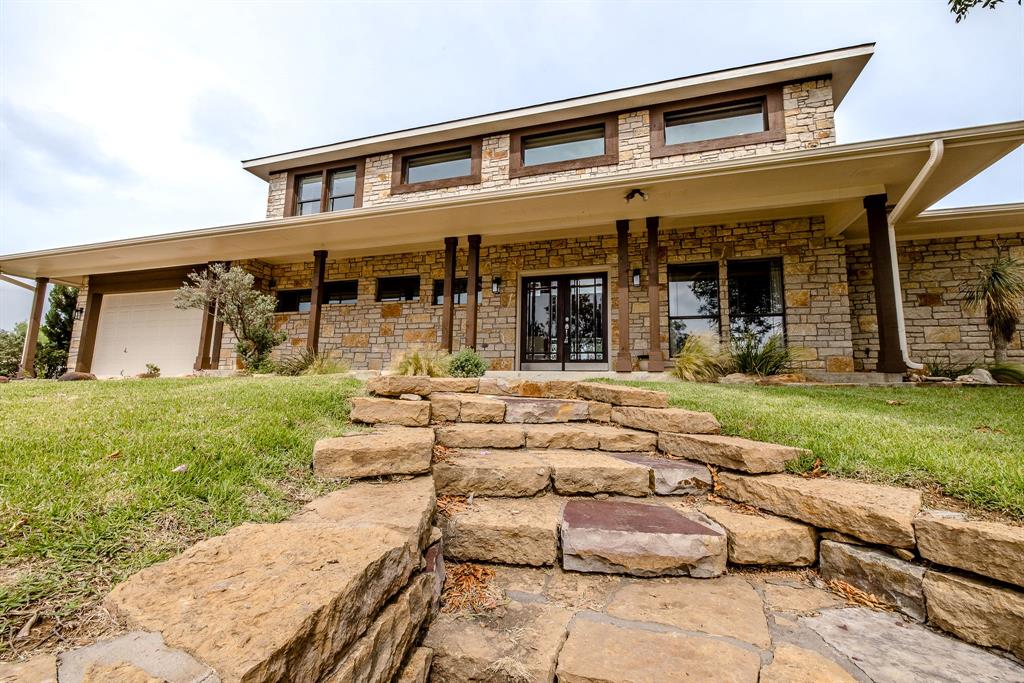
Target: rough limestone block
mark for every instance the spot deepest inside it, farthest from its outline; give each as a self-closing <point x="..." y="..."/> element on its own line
<point x="666" y="420"/>
<point x="476" y="408"/>
<point x="491" y="473"/>
<point x="621" y="537"/>
<point x="544" y="410"/>
<point x="480" y="436"/>
<point x="876" y="514"/>
<point x="619" y="395"/>
<point x="396" y="385"/>
<point x="458" y="385"/>
<point x="599" y="412"/>
<point x="122" y="672"/>
<point x="976" y="611"/>
<point x="417" y="667"/>
<point x="576" y="472"/>
<point x="505" y="530"/>
<point x="766" y="540"/>
<point x="987" y="548"/>
<point x="444" y="407"/>
<point x="40" y="669"/>
<point x="522" y="638"/>
<point x="873" y="571"/>
<point x="269" y="602"/>
<point x="597" y="652"/>
<point x="433" y="564"/>
<point x="561" y="436"/>
<point x="731" y="452"/>
<point x="621" y="440"/>
<point x="388" y="411"/>
<point x="399" y="450"/>
<point x="523" y="387"/>
<point x="673" y="477"/>
<point x="792" y="664"/>
<point x="146" y="651"/>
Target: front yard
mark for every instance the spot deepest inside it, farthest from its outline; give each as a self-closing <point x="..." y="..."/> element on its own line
<point x="99" y="479"/>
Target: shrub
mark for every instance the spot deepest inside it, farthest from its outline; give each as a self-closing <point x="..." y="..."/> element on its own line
<point x="309" y="362"/>
<point x="422" y="361"/>
<point x="11" y="343"/>
<point x="1007" y="373"/>
<point x="152" y="371"/>
<point x="701" y="359"/>
<point x="466" y="363"/>
<point x="946" y="367"/>
<point x="324" y="364"/>
<point x="750" y="353"/>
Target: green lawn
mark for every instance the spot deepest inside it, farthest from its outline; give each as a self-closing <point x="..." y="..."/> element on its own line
<point x="88" y="491"/>
<point x="967" y="441"/>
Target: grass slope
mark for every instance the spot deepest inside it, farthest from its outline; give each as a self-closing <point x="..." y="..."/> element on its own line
<point x="968" y="441"/>
<point x="88" y="491"/>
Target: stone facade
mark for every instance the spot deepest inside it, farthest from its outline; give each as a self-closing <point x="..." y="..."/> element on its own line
<point x="809" y="122"/>
<point x="76" y="327"/>
<point x="939" y="327"/>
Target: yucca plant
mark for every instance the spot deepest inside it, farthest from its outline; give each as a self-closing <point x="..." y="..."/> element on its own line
<point x="422" y="361"/>
<point x="701" y="359"/>
<point x="753" y="355"/>
<point x="999" y="292"/>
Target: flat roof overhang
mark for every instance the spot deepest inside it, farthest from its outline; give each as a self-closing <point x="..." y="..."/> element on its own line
<point x="843" y="65"/>
<point x="968" y="221"/>
<point x="830" y="182"/>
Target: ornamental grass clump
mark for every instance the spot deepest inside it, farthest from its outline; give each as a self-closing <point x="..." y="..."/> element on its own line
<point x="427" y="362"/>
<point x="309" y="362"/>
<point x="466" y="363"/>
<point x="701" y="359"/>
<point x="752" y="354"/>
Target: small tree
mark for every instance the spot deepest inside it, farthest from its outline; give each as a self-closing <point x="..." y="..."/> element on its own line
<point x="55" y="333"/>
<point x="248" y="312"/>
<point x="999" y="291"/>
<point x="11" y="344"/>
<point x="960" y="8"/>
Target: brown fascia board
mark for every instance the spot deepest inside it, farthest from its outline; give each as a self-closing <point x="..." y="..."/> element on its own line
<point x="844" y="69"/>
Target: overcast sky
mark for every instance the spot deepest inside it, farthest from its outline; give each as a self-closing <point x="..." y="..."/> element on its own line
<point x="120" y="120"/>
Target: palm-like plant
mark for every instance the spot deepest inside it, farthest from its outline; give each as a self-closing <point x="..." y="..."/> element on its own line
<point x="999" y="291"/>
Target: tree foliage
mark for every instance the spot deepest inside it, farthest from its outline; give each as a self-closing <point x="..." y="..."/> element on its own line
<point x="248" y="312"/>
<point x="961" y="7"/>
<point x="11" y="343"/>
<point x="999" y="292"/>
<point x="55" y="332"/>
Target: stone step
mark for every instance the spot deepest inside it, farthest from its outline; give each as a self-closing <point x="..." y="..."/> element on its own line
<point x="452" y="407"/>
<point x="389" y="411"/>
<point x="463" y="407"/>
<point x="666" y="420"/>
<point x="395" y="450"/>
<point x="765" y="539"/>
<point x="620" y="395"/>
<point x="731" y="452"/>
<point x="505" y="530"/>
<point x="640" y="539"/>
<point x="544" y="410"/>
<point x="671" y="475"/>
<point x="572" y="436"/>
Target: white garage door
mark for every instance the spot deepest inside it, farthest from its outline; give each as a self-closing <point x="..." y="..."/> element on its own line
<point x="135" y="329"/>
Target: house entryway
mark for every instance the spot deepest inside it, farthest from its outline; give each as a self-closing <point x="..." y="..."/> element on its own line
<point x="564" y="322"/>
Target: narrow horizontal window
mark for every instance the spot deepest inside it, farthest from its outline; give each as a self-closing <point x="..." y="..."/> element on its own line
<point x="710" y="123"/>
<point x="549" y="148"/>
<point x="692" y="302"/>
<point x="343" y="189"/>
<point x="293" y="300"/>
<point x="341" y="292"/>
<point x="404" y="288"/>
<point x="451" y="163"/>
<point x="308" y="195"/>
<point x="756" y="298"/>
<point x="461" y="291"/>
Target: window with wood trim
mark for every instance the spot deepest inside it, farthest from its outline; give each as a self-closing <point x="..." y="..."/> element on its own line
<point x="692" y="302"/>
<point x="293" y="300"/>
<point x="341" y="292"/>
<point x="436" y="166"/>
<point x="734" y="119"/>
<point x="327" y="187"/>
<point x="756" y="301"/>
<point x="460" y="291"/>
<point x="400" y="288"/>
<point x="563" y="146"/>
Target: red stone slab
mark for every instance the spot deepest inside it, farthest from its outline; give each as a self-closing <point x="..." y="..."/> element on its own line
<point x="614" y="515"/>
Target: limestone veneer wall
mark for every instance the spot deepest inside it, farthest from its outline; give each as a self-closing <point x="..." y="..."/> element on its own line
<point x="809" y="120"/>
<point x="931" y="273"/>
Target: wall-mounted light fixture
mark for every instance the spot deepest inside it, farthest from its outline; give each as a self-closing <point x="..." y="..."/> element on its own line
<point x="79" y="312"/>
<point x="636" y="277"/>
<point x="273" y="283"/>
<point x="496" y="284"/>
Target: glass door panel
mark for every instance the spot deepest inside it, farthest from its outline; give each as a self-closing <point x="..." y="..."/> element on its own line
<point x="564" y="322"/>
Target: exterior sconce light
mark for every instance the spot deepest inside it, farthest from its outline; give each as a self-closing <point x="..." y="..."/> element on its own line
<point x="496" y="285"/>
<point x="273" y="283"/>
<point x="636" y="277"/>
<point x="79" y="312"/>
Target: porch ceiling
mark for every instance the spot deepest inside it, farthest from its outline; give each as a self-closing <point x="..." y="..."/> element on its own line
<point x="829" y="181"/>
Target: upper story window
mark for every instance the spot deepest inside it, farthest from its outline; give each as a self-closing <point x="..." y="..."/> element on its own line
<point x="436" y="166"/>
<point x="401" y="288"/>
<point x="564" y="146"/>
<point x="756" y="298"/>
<point x="734" y="119"/>
<point x="323" y="188"/>
<point x="341" y="292"/>
<point x="460" y="291"/>
<point x="300" y="300"/>
<point x="293" y="301"/>
<point x="692" y="302"/>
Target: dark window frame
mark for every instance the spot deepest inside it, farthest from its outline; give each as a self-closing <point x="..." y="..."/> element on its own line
<point x="517" y="169"/>
<point x="416" y="297"/>
<point x="437" y="294"/>
<point x="291" y="203"/>
<point x="780" y="313"/>
<point x="775" y="121"/>
<point x="328" y="290"/>
<point x="711" y="265"/>
<point x="298" y="293"/>
<point x="399" y="159"/>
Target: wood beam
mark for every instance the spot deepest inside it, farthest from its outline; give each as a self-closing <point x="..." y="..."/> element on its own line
<point x="472" y="274"/>
<point x="448" y="313"/>
<point x="90" y="323"/>
<point x="624" y="360"/>
<point x="205" y="339"/>
<point x="28" y="351"/>
<point x="882" y="248"/>
<point x="655" y="360"/>
<point x="316" y="298"/>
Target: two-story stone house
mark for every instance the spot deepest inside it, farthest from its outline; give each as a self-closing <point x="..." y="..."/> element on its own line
<point x="592" y="233"/>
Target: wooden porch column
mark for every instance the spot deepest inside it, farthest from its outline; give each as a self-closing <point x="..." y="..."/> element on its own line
<point x="655" y="361"/>
<point x="448" y="312"/>
<point x="882" y="249"/>
<point x="218" y="341"/>
<point x="316" y="299"/>
<point x="472" y="273"/>
<point x="87" y="340"/>
<point x="624" y="360"/>
<point x="205" y="339"/>
<point x="28" y="351"/>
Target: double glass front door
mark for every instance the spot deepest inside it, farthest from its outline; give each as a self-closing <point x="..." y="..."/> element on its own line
<point x="564" y="322"/>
